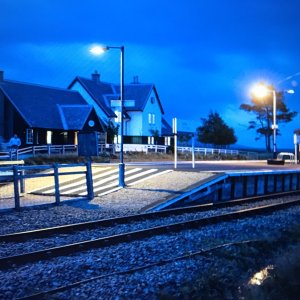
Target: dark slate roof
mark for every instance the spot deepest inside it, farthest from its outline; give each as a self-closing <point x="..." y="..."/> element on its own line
<point x="139" y="92"/>
<point x="74" y="116"/>
<point x="103" y="92"/>
<point x="47" y="107"/>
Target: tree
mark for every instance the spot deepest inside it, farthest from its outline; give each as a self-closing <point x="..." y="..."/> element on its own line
<point x="214" y="131"/>
<point x="263" y="110"/>
<point x="155" y="134"/>
<point x="112" y="131"/>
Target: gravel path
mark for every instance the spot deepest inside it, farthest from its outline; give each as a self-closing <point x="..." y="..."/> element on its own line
<point x="217" y="275"/>
<point x="128" y="200"/>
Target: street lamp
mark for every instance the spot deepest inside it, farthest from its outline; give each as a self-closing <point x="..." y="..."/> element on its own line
<point x="261" y="91"/>
<point x="97" y="50"/>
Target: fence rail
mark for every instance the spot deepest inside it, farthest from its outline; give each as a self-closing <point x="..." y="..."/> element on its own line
<point x="145" y="148"/>
<point x="18" y="175"/>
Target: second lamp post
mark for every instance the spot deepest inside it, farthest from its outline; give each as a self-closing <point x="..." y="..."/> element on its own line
<point x="98" y="50"/>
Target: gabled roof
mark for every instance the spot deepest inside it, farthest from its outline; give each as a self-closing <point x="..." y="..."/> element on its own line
<point x="140" y="92"/>
<point x="74" y="116"/>
<point x="98" y="90"/>
<point x="47" y="107"/>
<point x="103" y="92"/>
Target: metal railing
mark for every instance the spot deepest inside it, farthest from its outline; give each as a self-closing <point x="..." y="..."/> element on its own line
<point x="237" y="185"/>
<point x="211" y="151"/>
<point x="18" y="175"/>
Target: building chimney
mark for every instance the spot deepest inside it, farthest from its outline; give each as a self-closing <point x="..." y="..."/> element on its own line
<point x="1" y="75"/>
<point x="96" y="77"/>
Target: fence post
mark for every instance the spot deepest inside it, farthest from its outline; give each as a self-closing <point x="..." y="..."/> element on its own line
<point x="16" y="187"/>
<point x="89" y="180"/>
<point x="22" y="182"/>
<point x="56" y="183"/>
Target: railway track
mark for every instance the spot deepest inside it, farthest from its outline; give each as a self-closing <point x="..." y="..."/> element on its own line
<point x="158" y="223"/>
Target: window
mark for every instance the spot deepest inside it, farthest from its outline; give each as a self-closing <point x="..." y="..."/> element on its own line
<point x="151" y="118"/>
<point x="150" y="140"/>
<point x="49" y="137"/>
<point x="168" y="141"/>
<point x="29" y="136"/>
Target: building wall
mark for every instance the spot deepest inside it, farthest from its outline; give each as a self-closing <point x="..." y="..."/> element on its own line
<point x="134" y="126"/>
<point x="153" y="108"/>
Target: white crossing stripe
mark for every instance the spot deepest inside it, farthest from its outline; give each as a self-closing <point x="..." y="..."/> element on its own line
<point x="103" y="182"/>
<point x="151" y="176"/>
<point x="107" y="179"/>
<point x="114" y="183"/>
<point x="127" y="179"/>
<point x="81" y="181"/>
<point x="135" y="182"/>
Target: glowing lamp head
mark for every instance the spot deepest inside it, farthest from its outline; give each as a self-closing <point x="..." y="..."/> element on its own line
<point x="98" y="50"/>
<point x="290" y="91"/>
<point x="260" y="91"/>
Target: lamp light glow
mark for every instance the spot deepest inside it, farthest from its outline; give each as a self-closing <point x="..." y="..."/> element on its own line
<point x="98" y="50"/>
<point x="260" y="90"/>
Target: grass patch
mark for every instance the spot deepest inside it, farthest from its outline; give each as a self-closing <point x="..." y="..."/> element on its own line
<point x="128" y="157"/>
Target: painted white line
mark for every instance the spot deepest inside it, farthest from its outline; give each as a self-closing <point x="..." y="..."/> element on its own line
<point x="100" y="182"/>
<point x="82" y="181"/>
<point x="110" y="191"/>
<point x="151" y="176"/>
<point x="115" y="183"/>
<point x="138" y="175"/>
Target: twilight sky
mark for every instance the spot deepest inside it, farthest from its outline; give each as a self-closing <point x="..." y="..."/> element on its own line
<point x="202" y="55"/>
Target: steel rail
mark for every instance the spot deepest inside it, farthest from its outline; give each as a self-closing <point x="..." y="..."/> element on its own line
<point x="63" y="288"/>
<point x="70" y="228"/>
<point x="12" y="261"/>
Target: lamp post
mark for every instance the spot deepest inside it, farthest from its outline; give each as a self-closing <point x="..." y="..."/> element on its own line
<point x="99" y="50"/>
<point x="261" y="91"/>
<point x="274" y="126"/>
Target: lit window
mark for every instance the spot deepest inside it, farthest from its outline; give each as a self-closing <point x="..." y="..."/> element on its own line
<point x="167" y="141"/>
<point x="29" y="136"/>
<point x="49" y="137"/>
<point x="150" y="140"/>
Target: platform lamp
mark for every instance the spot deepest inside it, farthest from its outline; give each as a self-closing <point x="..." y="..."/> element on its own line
<point x="97" y="50"/>
<point x="261" y="91"/>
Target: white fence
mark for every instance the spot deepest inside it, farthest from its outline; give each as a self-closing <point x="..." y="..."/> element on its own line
<point x="64" y="149"/>
<point x="141" y="148"/>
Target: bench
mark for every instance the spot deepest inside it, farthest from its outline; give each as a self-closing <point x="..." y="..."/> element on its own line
<point x="281" y="158"/>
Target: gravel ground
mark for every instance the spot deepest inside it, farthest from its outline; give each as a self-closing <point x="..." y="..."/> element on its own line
<point x="129" y="200"/>
<point x="219" y="274"/>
